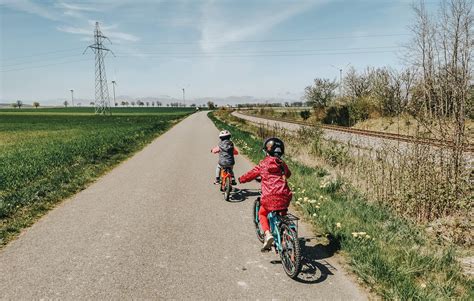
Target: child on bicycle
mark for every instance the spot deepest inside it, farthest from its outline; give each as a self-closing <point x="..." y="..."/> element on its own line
<point x="226" y="151"/>
<point x="276" y="194"/>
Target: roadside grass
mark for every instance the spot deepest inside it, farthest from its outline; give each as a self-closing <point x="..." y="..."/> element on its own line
<point x="47" y="157"/>
<point x="391" y="255"/>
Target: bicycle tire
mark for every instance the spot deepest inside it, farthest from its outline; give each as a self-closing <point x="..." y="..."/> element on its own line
<point x="227" y="189"/>
<point x="258" y="230"/>
<point x="291" y="252"/>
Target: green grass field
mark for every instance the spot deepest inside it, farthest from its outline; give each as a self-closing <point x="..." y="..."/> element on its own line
<point x="47" y="155"/>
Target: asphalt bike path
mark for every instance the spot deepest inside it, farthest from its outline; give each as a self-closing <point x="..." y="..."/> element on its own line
<point x="155" y="227"/>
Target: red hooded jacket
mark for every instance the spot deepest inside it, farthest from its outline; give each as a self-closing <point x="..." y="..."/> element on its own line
<point x="276" y="195"/>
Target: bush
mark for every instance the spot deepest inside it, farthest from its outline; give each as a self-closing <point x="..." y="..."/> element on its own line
<point x="361" y="109"/>
<point x="305" y="114"/>
<point x="337" y="114"/>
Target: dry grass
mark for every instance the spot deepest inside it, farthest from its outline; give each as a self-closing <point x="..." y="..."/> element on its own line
<point x="407" y="125"/>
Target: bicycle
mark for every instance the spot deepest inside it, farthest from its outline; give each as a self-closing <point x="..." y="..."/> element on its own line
<point x="284" y="229"/>
<point x="226" y="182"/>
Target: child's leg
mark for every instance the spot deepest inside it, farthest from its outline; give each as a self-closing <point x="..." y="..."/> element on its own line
<point x="218" y="172"/>
<point x="262" y="216"/>
<point x="232" y="175"/>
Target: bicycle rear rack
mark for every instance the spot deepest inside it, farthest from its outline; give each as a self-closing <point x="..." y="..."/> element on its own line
<point x="289" y="218"/>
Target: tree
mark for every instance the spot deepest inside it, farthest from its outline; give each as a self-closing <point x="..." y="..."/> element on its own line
<point x="116" y="104"/>
<point x="147" y="103"/>
<point x="211" y="105"/>
<point x="357" y="85"/>
<point x="123" y="103"/>
<point x="442" y="51"/>
<point x="36" y="104"/>
<point x="19" y="104"/>
<point x="65" y="103"/>
<point x="193" y="105"/>
<point x="92" y="103"/>
<point x="133" y="103"/>
<point x="321" y="92"/>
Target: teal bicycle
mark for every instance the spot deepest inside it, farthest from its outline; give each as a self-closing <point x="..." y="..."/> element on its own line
<point x="284" y="229"/>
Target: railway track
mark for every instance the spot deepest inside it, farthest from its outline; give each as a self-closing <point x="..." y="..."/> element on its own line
<point x="392" y="136"/>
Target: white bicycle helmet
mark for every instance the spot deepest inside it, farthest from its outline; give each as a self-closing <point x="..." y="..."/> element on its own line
<point x="224" y="134"/>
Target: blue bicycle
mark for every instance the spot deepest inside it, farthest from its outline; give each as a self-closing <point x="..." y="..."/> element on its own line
<point x="284" y="229"/>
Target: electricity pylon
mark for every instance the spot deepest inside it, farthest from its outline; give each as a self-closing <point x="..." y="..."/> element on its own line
<point x="102" y="101"/>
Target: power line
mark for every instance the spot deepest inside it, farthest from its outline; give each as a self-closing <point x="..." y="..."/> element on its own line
<point x="39" y="54"/>
<point x="47" y="65"/>
<point x="221" y="56"/>
<point x="34" y="62"/>
<point x="213" y="42"/>
<point x="262" y="55"/>
<point x="216" y="41"/>
<point x="271" y="51"/>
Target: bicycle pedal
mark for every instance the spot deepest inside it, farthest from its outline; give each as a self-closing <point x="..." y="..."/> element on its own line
<point x="263" y="250"/>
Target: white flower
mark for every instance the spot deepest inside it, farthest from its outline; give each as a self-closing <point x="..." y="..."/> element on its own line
<point x="338" y="225"/>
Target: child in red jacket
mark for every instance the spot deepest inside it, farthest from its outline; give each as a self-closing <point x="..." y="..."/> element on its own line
<point x="276" y="195"/>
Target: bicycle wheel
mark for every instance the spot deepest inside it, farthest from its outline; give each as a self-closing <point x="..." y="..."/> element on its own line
<point x="291" y="252"/>
<point x="227" y="188"/>
<point x="258" y="228"/>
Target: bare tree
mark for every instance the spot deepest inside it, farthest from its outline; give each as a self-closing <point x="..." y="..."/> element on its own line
<point x="321" y="92"/>
<point x="357" y="85"/>
<point x="36" y="104"/>
<point x="441" y="52"/>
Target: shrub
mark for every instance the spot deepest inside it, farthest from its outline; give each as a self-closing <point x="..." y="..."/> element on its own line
<point x="337" y="114"/>
<point x="305" y="114"/>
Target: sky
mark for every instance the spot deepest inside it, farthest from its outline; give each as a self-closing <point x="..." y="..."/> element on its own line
<point x="267" y="49"/>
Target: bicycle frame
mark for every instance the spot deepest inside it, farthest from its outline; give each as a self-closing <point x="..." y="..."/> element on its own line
<point x="275" y="219"/>
<point x="225" y="174"/>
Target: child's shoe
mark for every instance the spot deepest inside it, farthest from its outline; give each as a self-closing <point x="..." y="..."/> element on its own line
<point x="217" y="181"/>
<point x="268" y="242"/>
<point x="234" y="182"/>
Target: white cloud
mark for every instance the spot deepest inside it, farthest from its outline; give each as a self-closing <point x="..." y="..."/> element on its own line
<point x="217" y="31"/>
<point x="31" y="8"/>
<point x="76" y="7"/>
<point x="108" y="31"/>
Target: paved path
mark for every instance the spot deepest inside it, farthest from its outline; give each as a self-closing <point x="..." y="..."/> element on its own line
<point x="155" y="228"/>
